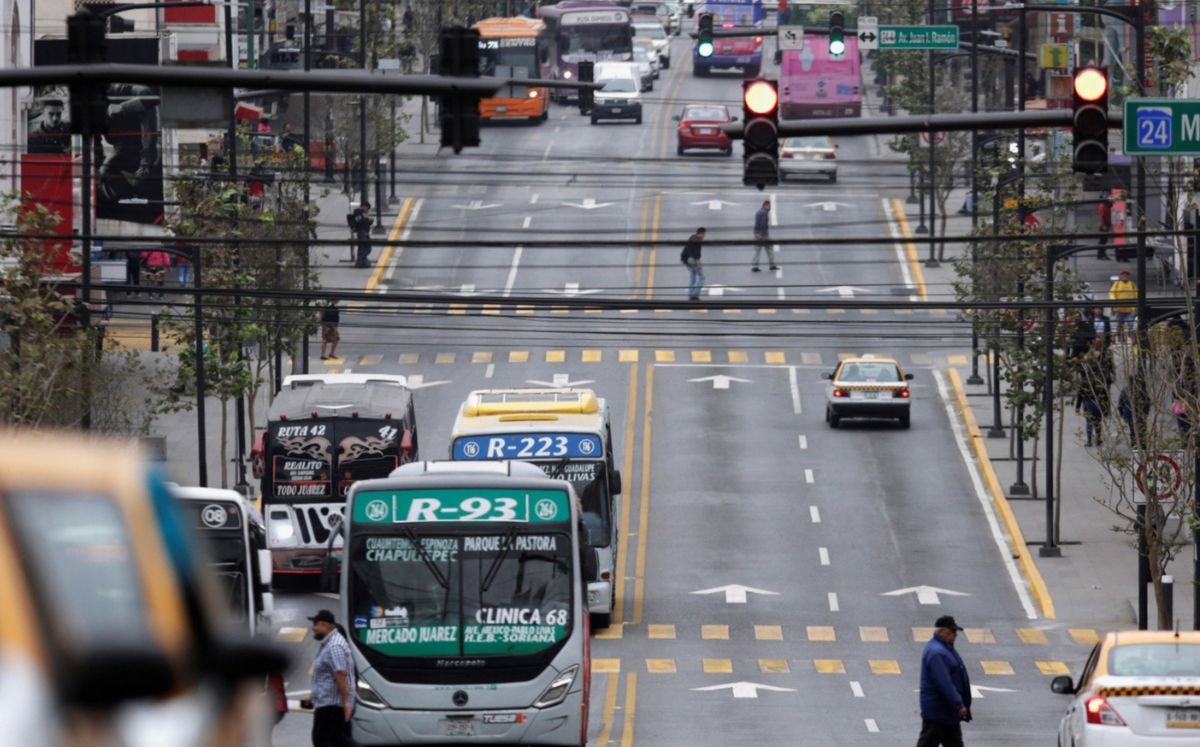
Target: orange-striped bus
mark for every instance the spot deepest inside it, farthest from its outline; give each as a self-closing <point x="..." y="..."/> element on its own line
<point x="518" y="48"/>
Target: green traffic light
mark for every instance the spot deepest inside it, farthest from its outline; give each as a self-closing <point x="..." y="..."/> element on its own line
<point x="837" y="47"/>
<point x="705" y="48"/>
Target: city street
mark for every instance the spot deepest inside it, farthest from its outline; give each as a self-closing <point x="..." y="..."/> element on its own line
<point x="777" y="579"/>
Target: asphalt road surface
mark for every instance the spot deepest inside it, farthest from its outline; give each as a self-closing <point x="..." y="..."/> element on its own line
<point x="732" y="478"/>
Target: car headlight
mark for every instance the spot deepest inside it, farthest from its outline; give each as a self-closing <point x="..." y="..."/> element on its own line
<point x="367" y="696"/>
<point x="558" y="689"/>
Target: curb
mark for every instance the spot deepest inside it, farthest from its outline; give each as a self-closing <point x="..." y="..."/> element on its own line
<point x="1017" y="539"/>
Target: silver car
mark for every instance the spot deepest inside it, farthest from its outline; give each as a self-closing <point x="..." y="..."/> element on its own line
<point x="808" y="155"/>
<point x="867" y="387"/>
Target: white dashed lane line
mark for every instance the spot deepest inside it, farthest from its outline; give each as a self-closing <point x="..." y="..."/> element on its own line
<point x="809" y="477"/>
<point x="856" y="688"/>
<point x="823" y="553"/>
<point x="803" y="442"/>
<point x="871" y="725"/>
<point x="833" y="602"/>
<point x="815" y="514"/>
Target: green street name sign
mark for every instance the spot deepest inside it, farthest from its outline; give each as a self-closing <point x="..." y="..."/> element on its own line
<point x="1161" y="127"/>
<point x="918" y="37"/>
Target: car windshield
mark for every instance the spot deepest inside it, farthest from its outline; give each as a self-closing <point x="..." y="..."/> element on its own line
<point x="619" y="85"/>
<point x="503" y="592"/>
<point x="869" y="372"/>
<point x="653" y="30"/>
<point x="1155" y="660"/>
<point x="806" y="142"/>
<point x="709" y="113"/>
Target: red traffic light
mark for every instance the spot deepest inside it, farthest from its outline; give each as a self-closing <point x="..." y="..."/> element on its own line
<point x="761" y="97"/>
<point x="1091" y="83"/>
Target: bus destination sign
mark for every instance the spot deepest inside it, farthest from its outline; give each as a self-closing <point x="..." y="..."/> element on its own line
<point x="527" y="446"/>
<point x="461" y="505"/>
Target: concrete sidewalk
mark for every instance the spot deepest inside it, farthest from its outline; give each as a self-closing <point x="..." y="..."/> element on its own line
<point x="1094" y="582"/>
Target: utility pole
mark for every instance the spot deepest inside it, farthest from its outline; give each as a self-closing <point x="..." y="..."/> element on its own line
<point x="307" y="164"/>
<point x="362" y="106"/>
<point x="932" y="261"/>
<point x="974" y="379"/>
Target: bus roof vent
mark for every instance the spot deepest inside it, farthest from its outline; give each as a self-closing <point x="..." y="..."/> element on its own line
<point x="515" y="401"/>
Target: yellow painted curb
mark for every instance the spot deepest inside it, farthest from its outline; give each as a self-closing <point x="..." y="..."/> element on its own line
<point x="385" y="257"/>
<point x="1024" y="558"/>
<point x="910" y="250"/>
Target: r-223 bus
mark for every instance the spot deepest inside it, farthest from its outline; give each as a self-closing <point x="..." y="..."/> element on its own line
<point x="463" y="588"/>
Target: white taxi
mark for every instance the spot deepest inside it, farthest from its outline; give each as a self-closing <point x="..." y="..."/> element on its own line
<point x="867" y="386"/>
<point x="1137" y="688"/>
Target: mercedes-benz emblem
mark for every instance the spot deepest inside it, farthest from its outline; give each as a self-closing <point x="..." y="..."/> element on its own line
<point x="460" y="698"/>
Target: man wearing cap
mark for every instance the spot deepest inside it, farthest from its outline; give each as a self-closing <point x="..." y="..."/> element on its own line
<point x="945" y="688"/>
<point x="332" y="684"/>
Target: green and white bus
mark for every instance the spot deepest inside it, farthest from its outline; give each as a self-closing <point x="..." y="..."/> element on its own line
<point x="463" y="588"/>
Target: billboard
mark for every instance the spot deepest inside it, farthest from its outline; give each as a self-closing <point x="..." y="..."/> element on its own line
<point x="129" y="174"/>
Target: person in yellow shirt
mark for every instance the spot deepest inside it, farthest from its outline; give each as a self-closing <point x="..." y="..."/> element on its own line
<point x="1123" y="289"/>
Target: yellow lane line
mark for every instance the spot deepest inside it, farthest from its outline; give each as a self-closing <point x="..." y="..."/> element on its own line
<point x="385" y="257"/>
<point x="644" y="500"/>
<point x="654" y="247"/>
<point x="641" y="252"/>
<point x="610" y="710"/>
<point x="1016" y="538"/>
<point x="630" y="709"/>
<point x="627" y="473"/>
<point x="910" y="250"/>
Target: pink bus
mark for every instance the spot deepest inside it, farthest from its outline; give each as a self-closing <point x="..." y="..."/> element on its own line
<point x="813" y="85"/>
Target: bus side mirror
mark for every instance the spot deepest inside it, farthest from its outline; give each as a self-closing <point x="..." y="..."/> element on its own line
<point x="615" y="484"/>
<point x="264" y="568"/>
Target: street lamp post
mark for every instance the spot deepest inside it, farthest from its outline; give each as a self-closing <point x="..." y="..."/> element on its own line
<point x="932" y="260"/>
<point x="974" y="379"/>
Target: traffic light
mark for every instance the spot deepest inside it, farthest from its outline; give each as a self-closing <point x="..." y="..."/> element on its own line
<point x="704" y="39"/>
<point x="459" y="56"/>
<point x="837" y="34"/>
<point x="760" y="134"/>
<point x="587" y="74"/>
<point x="1090" y="120"/>
<point x="85" y="46"/>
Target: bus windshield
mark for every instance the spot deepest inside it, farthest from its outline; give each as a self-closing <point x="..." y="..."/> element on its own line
<point x="519" y="54"/>
<point x="227" y="554"/>
<point x="507" y="591"/>
<point x="599" y="42"/>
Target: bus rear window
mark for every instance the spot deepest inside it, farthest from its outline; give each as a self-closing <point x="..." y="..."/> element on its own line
<point x="82" y="563"/>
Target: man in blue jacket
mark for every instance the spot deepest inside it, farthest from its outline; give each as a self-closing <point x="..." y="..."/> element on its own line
<point x="945" y="688"/>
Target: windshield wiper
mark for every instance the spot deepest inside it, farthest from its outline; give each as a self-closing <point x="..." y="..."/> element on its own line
<point x="437" y="572"/>
<point x="494" y="568"/>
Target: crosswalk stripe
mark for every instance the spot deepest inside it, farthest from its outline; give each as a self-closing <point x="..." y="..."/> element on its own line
<point x="525" y="309"/>
<point x="921" y="635"/>
<point x="370" y="360"/>
<point x="979" y="635"/>
<point x="768" y="632"/>
<point x="664" y="356"/>
<point x="591" y="356"/>
<point x="701" y="356"/>
<point x="490" y="309"/>
<point x="615" y="631"/>
<point x="775" y="356"/>
<point x="660" y="666"/>
<point x="457" y="309"/>
<point x="1053" y="668"/>
<point x="873" y="634"/>
<point x="737" y="356"/>
<point x="829" y="666"/>
<point x="628" y="356"/>
<point x="996" y="667"/>
<point x="956" y="360"/>
<point x="810" y="359"/>
<point x="445" y="358"/>
<point x="518" y="356"/>
<point x="1032" y="636"/>
<point x="1084" y="636"/>
<point x="660" y="632"/>
<point x="884" y="666"/>
<point x="409" y="359"/>
<point x="821" y="633"/>
<point x="718" y="666"/>
<point x="606" y="666"/>
<point x="714" y="632"/>
<point x="556" y="356"/>
<point x="292" y="635"/>
<point x="773" y="666"/>
<point x="481" y="356"/>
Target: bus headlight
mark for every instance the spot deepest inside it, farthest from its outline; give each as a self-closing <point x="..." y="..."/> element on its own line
<point x="558" y="689"/>
<point x="567" y="74"/>
<point x="367" y="697"/>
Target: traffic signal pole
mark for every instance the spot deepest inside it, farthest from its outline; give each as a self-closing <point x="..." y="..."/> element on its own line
<point x="932" y="261"/>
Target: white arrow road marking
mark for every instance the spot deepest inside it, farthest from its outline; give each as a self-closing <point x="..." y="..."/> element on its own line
<point x="977" y="690"/>
<point x="735" y="593"/>
<point x="843" y="291"/>
<point x="744" y="689"/>
<point x="856" y="688"/>
<point x="721" y="381"/>
<point x="827" y="206"/>
<point x="477" y="205"/>
<point x="417" y="381"/>
<point x="925" y="594"/>
<point x="588" y="204"/>
<point x="717" y="289"/>
<point x="715" y="204"/>
<point x="561" y="381"/>
<point x="871" y="725"/>
<point x="573" y="289"/>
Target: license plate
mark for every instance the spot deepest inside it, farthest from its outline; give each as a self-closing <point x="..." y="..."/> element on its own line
<point x="743" y="59"/>
<point x="704" y="131"/>
<point x="501" y="109"/>
<point x="460" y="728"/>
<point x="617" y="110"/>
<point x="871" y="395"/>
<point x="593" y="597"/>
<point x="1183" y="718"/>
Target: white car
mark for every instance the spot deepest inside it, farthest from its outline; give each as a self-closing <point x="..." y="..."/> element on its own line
<point x="646" y="60"/>
<point x="808" y="155"/>
<point x="620" y="98"/>
<point x="1137" y="688"/>
<point x="649" y="26"/>
<point x="669" y="14"/>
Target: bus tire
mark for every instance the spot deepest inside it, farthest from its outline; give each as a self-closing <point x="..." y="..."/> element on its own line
<point x="601" y="621"/>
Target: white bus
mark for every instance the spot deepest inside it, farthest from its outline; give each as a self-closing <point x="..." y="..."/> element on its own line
<point x="567" y="433"/>
<point x="462" y="586"/>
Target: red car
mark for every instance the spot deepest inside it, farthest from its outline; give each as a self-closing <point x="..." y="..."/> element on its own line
<point x="700" y="127"/>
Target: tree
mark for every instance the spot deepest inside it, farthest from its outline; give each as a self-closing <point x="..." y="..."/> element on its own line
<point x="263" y="243"/>
<point x="53" y="371"/>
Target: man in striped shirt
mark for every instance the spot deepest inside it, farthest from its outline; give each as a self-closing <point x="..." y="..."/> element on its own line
<point x="332" y="684"/>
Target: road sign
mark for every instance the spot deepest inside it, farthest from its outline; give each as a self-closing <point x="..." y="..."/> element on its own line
<point x="1161" y="127"/>
<point x="918" y="37"/>
<point x="791" y="38"/>
<point x="1159" y="478"/>
<point x="1055" y="56"/>
<point x="868" y="32"/>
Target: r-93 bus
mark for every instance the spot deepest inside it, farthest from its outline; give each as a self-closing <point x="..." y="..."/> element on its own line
<point x="463" y="585"/>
